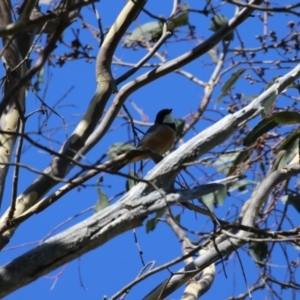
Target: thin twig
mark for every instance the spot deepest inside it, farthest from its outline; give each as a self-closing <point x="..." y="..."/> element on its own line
<point x="16" y="171"/>
<point x="164" y="36"/>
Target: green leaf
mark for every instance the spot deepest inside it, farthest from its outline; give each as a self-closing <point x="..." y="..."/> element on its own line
<point x="291" y="148"/>
<point x="229" y="83"/>
<point x="213" y="53"/>
<point x="152" y="31"/>
<point x="216" y="198"/>
<point x="179" y="123"/>
<point x="292" y="199"/>
<point x="270" y="122"/>
<point x="39" y="80"/>
<point x="151" y="223"/>
<point x="262" y="127"/>
<point x="232" y="80"/>
<point x="242" y="156"/>
<point x="102" y="201"/>
<point x="118" y="149"/>
<point x="241" y="185"/>
<point x="130" y="183"/>
<point x="287" y="117"/>
<point x="217" y="22"/>
<point x="226" y="158"/>
<point x="269" y="101"/>
<point x="294" y="86"/>
<point x="286" y="144"/>
<point x="259" y="250"/>
<point x="177" y="218"/>
<point x="180" y="20"/>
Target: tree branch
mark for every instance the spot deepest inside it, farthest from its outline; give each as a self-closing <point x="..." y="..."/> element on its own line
<point x="59" y="167"/>
<point x="92" y="233"/>
<point x="160" y="71"/>
<point x="227" y="245"/>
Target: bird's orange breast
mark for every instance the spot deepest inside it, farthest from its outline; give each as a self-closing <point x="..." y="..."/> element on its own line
<point x="160" y="140"/>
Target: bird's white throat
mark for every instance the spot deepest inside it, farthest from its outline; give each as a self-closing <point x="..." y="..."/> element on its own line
<point x="168" y="119"/>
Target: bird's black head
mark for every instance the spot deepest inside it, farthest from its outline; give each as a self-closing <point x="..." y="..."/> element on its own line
<point x="164" y="117"/>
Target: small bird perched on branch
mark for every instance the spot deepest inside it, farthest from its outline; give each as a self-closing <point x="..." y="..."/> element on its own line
<point x="159" y="139"/>
<point x="161" y="136"/>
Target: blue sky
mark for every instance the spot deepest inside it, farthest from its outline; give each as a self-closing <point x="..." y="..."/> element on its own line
<point x="105" y="270"/>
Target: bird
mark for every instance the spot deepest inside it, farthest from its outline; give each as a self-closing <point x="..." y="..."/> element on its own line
<point x="161" y="136"/>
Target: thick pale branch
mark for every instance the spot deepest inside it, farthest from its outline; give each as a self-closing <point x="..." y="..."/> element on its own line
<point x="14" y="109"/>
<point x="143" y="199"/>
<point x="227" y="245"/>
<point x="112" y="221"/>
<point x="197" y="288"/>
<point x="20" y="83"/>
<point x="217" y="133"/>
<point x="91" y="233"/>
<point x="105" y="167"/>
<point x="192" y="149"/>
<point x="163" y="70"/>
<point x="59" y="166"/>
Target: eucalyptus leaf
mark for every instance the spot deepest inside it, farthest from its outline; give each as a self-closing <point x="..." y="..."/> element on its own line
<point x="241" y="185"/>
<point x="102" y="201"/>
<point x="242" y="156"/>
<point x="292" y="199"/>
<point x="270" y="122"/>
<point x="179" y="123"/>
<point x="130" y="182"/>
<point x="216" y="198"/>
<point x="152" y="31"/>
<point x="117" y="149"/>
<point x="151" y="223"/>
<point x="229" y="83"/>
<point x="217" y="22"/>
<point x="265" y="125"/>
<point x="269" y="102"/>
<point x="291" y="150"/>
<point x="287" y="117"/>
<point x="259" y="250"/>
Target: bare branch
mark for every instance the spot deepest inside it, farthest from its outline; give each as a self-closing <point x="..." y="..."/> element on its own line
<point x="160" y="71"/>
<point x="14" y="106"/>
<point x="106" y="86"/>
<point x="285" y="9"/>
<point x="228" y="245"/>
<point x="13" y="28"/>
<point x="91" y="233"/>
